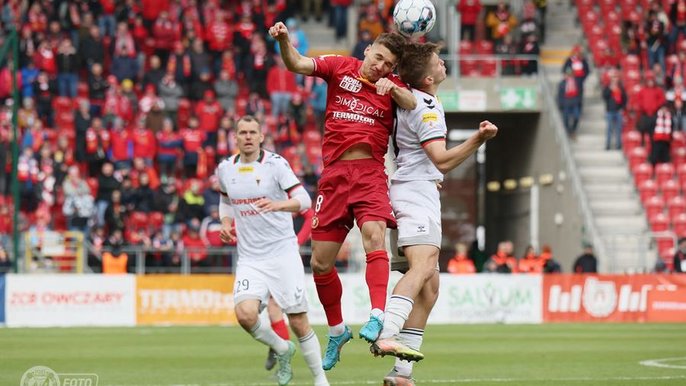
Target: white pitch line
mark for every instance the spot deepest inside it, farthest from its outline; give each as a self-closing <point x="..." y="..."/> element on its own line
<point x="451" y="381"/>
<point x="659" y="363"/>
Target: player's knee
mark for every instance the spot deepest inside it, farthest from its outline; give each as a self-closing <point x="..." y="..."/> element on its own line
<point x="299" y="324"/>
<point x="376" y="240"/>
<point x="320" y="267"/>
<point x="246" y="318"/>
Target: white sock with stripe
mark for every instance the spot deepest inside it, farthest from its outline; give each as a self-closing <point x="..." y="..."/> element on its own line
<point x="397" y="312"/>
<point x="262" y="332"/>
<point x="413" y="338"/>
<point x="312" y="352"/>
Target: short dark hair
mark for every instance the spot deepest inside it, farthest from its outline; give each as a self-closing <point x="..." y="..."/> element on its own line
<point x="413" y="65"/>
<point x="247" y="118"/>
<point x="394" y="42"/>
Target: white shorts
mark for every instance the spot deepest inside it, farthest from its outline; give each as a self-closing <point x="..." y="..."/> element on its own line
<point x="417" y="208"/>
<point x="282" y="277"/>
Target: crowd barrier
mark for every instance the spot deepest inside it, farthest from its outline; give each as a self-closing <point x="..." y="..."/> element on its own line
<point x="128" y="300"/>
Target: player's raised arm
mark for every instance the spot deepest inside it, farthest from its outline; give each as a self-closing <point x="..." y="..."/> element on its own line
<point x="448" y="159"/>
<point x="291" y="57"/>
<point x="404" y="98"/>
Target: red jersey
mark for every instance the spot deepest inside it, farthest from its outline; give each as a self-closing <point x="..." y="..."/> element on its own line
<point x="355" y="113"/>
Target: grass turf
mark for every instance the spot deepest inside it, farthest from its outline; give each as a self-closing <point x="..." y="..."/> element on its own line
<point x="551" y="354"/>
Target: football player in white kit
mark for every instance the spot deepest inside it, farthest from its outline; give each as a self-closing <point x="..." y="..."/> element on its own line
<point x="422" y="159"/>
<point x="259" y="190"/>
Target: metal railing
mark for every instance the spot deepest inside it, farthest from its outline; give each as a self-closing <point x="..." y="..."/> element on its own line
<point x="590" y="230"/>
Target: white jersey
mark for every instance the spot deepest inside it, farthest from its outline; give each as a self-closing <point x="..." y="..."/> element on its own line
<point x="260" y="235"/>
<point x="415" y="129"/>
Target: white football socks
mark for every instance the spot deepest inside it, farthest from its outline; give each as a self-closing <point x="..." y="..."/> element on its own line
<point x="312" y="352"/>
<point x="262" y="332"/>
<point x="337" y="329"/>
<point x="412" y="337"/>
<point x="397" y="312"/>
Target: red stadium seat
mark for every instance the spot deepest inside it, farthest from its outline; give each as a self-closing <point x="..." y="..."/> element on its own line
<point x="669" y="189"/>
<point x="138" y="220"/>
<point x="681" y="173"/>
<point x="659" y="222"/>
<point x="156" y="220"/>
<point x="647" y="189"/>
<point x="312" y="138"/>
<point x="642" y="172"/>
<point x="489" y="68"/>
<point x="679" y="223"/>
<point x="637" y="156"/>
<point x="654" y="206"/>
<point x="484" y="47"/>
<point x="466" y="47"/>
<point x="631" y="140"/>
<point x="676" y="206"/>
<point x="678" y="156"/>
<point x="663" y="172"/>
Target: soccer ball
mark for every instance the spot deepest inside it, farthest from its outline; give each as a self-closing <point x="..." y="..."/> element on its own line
<point x="414" y="18"/>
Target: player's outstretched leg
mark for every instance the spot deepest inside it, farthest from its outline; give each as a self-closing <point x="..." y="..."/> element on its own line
<point x="333" y="348"/>
<point x="376" y="276"/>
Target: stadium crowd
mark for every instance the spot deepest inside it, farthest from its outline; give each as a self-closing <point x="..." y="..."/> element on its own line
<point x="127" y="106"/>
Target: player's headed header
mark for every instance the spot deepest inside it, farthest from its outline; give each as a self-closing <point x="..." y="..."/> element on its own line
<point x="381" y="57"/>
<point x="420" y="65"/>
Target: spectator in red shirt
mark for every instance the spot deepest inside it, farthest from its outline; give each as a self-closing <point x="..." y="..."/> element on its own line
<point x="139" y="169"/>
<point x="649" y="99"/>
<point x="168" y="146"/>
<point x="193" y="245"/>
<point x="107" y="21"/>
<point x="209" y="112"/>
<point x="469" y="14"/>
<point x="193" y="139"/>
<point x="280" y="87"/>
<point x="144" y="145"/>
<point x="122" y="146"/>
<point x="219" y="35"/>
<point x="45" y="60"/>
<point x="152" y="9"/>
<point x="165" y="32"/>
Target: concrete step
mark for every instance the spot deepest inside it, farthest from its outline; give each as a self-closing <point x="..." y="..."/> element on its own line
<point x="601" y="190"/>
<point x="621" y="224"/>
<point x="584" y="140"/>
<point x="619" y="206"/>
<point x="591" y="157"/>
<point x="607" y="174"/>
<point x="594" y="109"/>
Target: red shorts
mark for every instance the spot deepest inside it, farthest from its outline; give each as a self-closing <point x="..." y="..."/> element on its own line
<point x="350" y="190"/>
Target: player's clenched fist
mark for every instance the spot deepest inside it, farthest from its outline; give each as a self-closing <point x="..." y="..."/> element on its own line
<point x="279" y="31"/>
<point x="487" y="130"/>
<point x="384" y="86"/>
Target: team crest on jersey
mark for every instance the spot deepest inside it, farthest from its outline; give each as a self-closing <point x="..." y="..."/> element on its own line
<point x="257" y="180"/>
<point x="350" y="84"/>
<point x="315" y="222"/>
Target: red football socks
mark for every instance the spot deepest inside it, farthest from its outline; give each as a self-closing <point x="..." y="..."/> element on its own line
<point x="377" y="278"/>
<point x="330" y="290"/>
<point x="280" y="329"/>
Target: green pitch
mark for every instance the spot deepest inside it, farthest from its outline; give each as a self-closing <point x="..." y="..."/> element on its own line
<point x="555" y="354"/>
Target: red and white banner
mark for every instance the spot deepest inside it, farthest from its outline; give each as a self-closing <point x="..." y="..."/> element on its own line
<point x="70" y="300"/>
<point x="610" y="298"/>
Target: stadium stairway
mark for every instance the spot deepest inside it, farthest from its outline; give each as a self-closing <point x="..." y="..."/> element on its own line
<point x="615" y="205"/>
